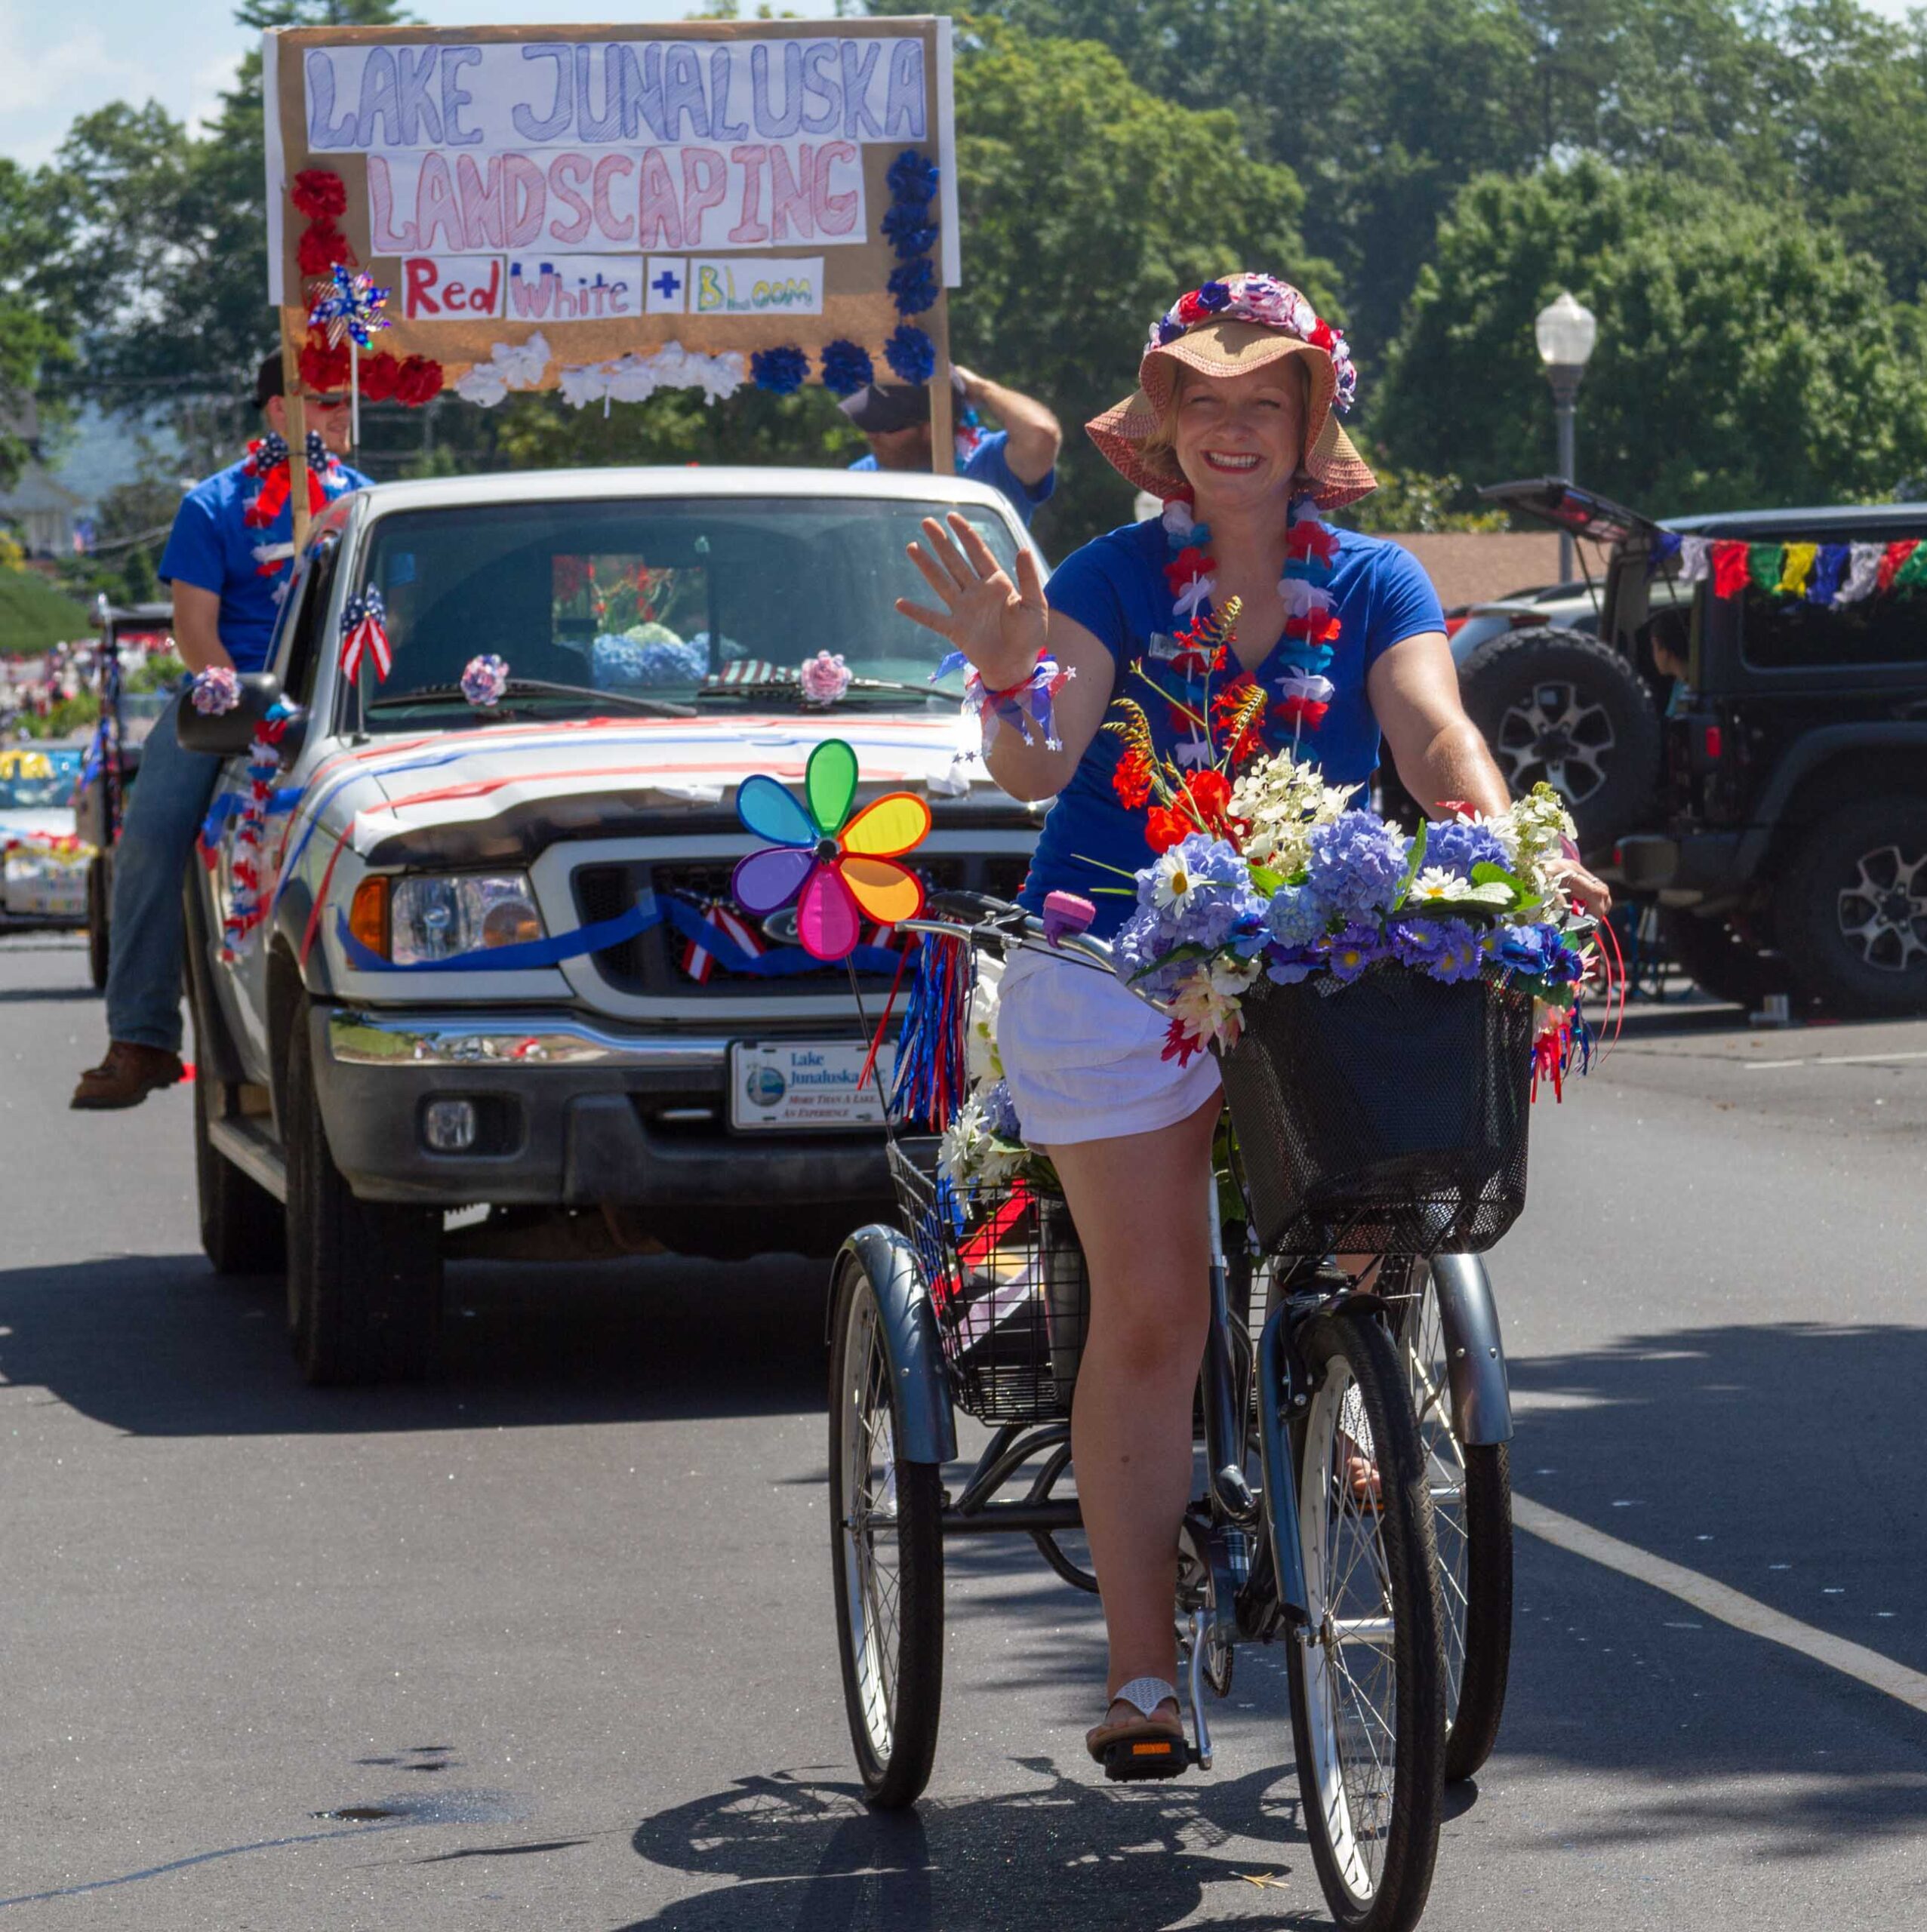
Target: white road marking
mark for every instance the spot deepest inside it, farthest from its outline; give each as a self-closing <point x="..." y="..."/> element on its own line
<point x="1830" y="1060"/>
<point x="1729" y="1606"/>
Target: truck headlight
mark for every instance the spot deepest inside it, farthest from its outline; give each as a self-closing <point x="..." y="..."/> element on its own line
<point x="431" y="919"/>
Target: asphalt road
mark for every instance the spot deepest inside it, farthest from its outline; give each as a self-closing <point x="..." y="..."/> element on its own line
<point x="550" y="1644"/>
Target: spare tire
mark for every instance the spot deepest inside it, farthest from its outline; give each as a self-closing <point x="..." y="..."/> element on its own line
<point x="1555" y="704"/>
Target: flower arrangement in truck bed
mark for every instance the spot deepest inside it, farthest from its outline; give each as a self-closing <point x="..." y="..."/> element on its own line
<point x="1271" y="874"/>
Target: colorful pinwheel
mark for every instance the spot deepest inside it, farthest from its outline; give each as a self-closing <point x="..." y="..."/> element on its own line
<point x="842" y="872"/>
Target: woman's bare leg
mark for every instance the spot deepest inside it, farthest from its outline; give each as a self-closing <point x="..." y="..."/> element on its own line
<point x="1141" y="1212"/>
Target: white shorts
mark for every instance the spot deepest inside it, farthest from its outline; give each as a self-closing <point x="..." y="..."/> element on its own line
<point x="1084" y="1057"/>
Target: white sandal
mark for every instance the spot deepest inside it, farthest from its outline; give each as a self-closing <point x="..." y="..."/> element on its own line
<point x="1149" y="1746"/>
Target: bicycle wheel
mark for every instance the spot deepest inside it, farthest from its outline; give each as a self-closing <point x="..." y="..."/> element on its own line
<point x="1471" y="1487"/>
<point x="886" y="1523"/>
<point x="1368" y="1689"/>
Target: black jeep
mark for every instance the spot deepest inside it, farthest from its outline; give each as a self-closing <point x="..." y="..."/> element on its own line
<point x="1786" y="843"/>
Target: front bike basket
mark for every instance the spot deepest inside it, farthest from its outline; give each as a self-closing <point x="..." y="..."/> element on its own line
<point x="1008" y="1284"/>
<point x="1385" y="1115"/>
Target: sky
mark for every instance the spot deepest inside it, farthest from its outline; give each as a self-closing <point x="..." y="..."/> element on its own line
<point x="56" y="62"/>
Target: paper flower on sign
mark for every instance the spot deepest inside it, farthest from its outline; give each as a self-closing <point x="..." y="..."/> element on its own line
<point x="351" y="307"/>
<point x="485" y="680"/>
<point x="839" y="873"/>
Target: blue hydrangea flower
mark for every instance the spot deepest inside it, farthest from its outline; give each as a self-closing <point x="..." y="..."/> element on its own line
<point x="1525" y="948"/>
<point x="911" y="355"/>
<point x="846" y="367"/>
<point x="782" y="371"/>
<point x="912" y="286"/>
<point x="1355" y="863"/>
<point x="1000" y="1112"/>
<point x="1354" y="950"/>
<point x="1458" y="848"/>
<point x="1294" y="918"/>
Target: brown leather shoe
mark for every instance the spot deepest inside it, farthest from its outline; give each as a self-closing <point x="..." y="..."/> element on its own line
<point x="127" y="1076"/>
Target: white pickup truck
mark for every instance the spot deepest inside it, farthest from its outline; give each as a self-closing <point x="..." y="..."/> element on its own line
<point x="494" y="960"/>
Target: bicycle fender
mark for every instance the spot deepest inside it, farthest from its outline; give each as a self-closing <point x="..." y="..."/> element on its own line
<point x="1475" y="1356"/>
<point x="909" y="1339"/>
<point x="1281" y="1482"/>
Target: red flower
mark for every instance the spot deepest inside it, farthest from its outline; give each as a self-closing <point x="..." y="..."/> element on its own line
<point x="1131" y="779"/>
<point x="1224" y="710"/>
<point x="321" y="246"/>
<point x="1209" y="793"/>
<point x="1310" y="538"/>
<point x="418" y="380"/>
<point x="320" y="194"/>
<point x="1321" y="336"/>
<point x="323" y="370"/>
<point x="1190" y="562"/>
<point x="380" y="372"/>
<point x="1179" y="1045"/>
<point x="1167" y="825"/>
<point x="1189" y="308"/>
<point x="1294" y="711"/>
<point x="1315" y="626"/>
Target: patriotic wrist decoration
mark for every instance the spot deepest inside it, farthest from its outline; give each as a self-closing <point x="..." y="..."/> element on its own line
<point x="365" y="633"/>
<point x="485" y="680"/>
<point x="215" y="690"/>
<point x="1026" y="702"/>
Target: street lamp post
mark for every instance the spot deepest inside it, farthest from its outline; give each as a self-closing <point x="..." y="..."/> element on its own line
<point x="1565" y="330"/>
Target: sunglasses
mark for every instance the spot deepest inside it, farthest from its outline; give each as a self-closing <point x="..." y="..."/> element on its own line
<point x="326" y="401"/>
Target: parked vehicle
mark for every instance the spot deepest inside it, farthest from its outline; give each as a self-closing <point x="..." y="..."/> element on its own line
<point x="114" y="756"/>
<point x="43" y="862"/>
<point x="1794" y="835"/>
<point x="686" y="1076"/>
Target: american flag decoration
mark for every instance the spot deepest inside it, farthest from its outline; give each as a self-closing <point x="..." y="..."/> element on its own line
<point x="751" y="671"/>
<point x="698" y="961"/>
<point x="365" y="632"/>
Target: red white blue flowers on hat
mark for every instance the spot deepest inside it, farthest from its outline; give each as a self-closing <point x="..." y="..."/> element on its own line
<point x="1263" y="299"/>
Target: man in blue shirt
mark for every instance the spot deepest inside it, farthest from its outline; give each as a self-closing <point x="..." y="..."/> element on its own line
<point x="1020" y="459"/>
<point x="230" y="558"/>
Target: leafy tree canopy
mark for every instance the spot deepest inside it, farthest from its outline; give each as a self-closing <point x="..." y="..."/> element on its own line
<point x="1746" y="355"/>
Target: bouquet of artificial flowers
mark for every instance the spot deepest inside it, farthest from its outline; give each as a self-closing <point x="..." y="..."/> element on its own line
<point x="1275" y="874"/>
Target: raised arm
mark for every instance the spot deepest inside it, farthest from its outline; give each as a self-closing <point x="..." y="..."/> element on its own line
<point x="1001" y="625"/>
<point x="1036" y="436"/>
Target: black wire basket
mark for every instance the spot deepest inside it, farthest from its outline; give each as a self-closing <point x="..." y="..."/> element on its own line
<point x="1008" y="1282"/>
<point x="1387" y="1116"/>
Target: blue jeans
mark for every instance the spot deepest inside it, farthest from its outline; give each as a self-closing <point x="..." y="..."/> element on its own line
<point x="164" y="814"/>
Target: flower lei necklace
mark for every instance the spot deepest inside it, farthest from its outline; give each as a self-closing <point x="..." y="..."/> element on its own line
<point x="267" y="459"/>
<point x="1295" y="667"/>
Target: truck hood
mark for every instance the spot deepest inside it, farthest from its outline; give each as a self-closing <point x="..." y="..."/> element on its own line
<point x="507" y="791"/>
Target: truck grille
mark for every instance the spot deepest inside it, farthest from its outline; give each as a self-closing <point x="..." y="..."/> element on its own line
<point x="659" y="961"/>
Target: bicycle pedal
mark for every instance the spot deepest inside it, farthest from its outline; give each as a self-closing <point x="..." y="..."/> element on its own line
<point x="1137" y="1760"/>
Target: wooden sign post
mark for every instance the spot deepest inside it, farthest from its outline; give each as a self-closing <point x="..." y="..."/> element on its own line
<point x="610" y="210"/>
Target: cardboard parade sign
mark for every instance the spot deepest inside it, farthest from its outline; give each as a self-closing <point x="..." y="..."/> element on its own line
<point x="611" y="209"/>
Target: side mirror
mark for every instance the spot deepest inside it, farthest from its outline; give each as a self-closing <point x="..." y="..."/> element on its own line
<point x="227" y="733"/>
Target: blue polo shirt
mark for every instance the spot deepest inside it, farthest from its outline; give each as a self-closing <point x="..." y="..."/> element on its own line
<point x="1116" y="588"/>
<point x="212" y="547"/>
<point x="987" y="463"/>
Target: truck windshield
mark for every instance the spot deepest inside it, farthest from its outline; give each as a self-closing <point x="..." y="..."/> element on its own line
<point x="672" y="598"/>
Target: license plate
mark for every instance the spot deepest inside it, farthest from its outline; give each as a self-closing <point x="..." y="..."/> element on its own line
<point x="785" y="1085"/>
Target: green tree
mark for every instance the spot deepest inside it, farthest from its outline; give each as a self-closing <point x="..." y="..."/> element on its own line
<point x="1746" y="355"/>
<point x="34" y="319"/>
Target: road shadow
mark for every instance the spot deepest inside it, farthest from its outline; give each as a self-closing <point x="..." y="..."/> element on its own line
<point x="160" y="1346"/>
<point x="806" y="1855"/>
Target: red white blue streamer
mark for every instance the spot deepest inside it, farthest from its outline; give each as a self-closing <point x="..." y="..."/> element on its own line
<point x="1022" y="705"/>
<point x="365" y="634"/>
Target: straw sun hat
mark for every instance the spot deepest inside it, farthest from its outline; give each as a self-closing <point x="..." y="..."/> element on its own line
<point x="1230" y="327"/>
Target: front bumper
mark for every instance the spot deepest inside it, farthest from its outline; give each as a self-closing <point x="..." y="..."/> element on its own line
<point x="575" y="1113"/>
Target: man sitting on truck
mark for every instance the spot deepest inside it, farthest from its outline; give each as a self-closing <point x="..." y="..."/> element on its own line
<point x="1020" y="459"/>
<point x="229" y="576"/>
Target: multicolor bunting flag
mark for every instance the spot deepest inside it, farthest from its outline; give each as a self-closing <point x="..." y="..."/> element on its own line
<point x="1828" y="574"/>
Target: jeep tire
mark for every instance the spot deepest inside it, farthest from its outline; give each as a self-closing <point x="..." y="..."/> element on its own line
<point x="364" y="1278"/>
<point x="1850" y="910"/>
<point x="1559" y="705"/>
